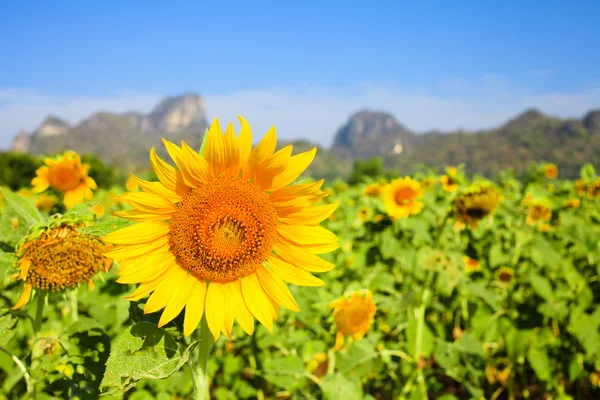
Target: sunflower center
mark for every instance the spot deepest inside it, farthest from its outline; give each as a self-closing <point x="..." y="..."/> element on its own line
<point x="477" y="212"/>
<point x="63" y="178"/>
<point x="404" y="195"/>
<point x="223" y="230"/>
<point x="62" y="258"/>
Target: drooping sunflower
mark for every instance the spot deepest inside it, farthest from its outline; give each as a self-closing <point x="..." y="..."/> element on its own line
<point x="67" y="174"/>
<point x="477" y="203"/>
<point x="58" y="258"/>
<point x="353" y="314"/>
<point x="400" y="197"/>
<point x="221" y="233"/>
<point x="550" y="171"/>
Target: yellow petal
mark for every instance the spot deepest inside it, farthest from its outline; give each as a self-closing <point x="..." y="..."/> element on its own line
<point x="148" y="202"/>
<point x="137" y="250"/>
<point x="307" y="215"/>
<point x="256" y="300"/>
<point x="291" y="192"/>
<point x="24" y="267"/>
<point x="177" y="156"/>
<point x="276" y="289"/>
<point x="291" y="274"/>
<point x="214" y="152"/>
<point x="306" y="235"/>
<point x="178" y="300"/>
<point x="164" y="290"/>
<point x="196" y="164"/>
<point x="141" y="216"/>
<point x="90" y="182"/>
<point x="165" y="173"/>
<point x="215" y="308"/>
<point x="301" y="258"/>
<point x="245" y="141"/>
<point x="157" y="188"/>
<point x="295" y="168"/>
<point x="265" y="173"/>
<point x="260" y="153"/>
<point x="232" y="152"/>
<point x="143" y="232"/>
<point x="24" y="297"/>
<point x="229" y="315"/>
<point x="146" y="268"/>
<point x="194" y="308"/>
<point x="241" y="312"/>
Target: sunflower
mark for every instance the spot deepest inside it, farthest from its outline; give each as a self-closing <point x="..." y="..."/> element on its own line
<point x="505" y="275"/>
<point x="572" y="203"/>
<point x="59" y="258"/>
<point x="471" y="264"/>
<point x="66" y="174"/>
<point x="475" y="204"/>
<point x="448" y="181"/>
<point x="372" y="190"/>
<point x="550" y="171"/>
<point x="45" y="203"/>
<point x="364" y="213"/>
<point x="594" y="189"/>
<point x="221" y="233"/>
<point x="580" y="187"/>
<point x="400" y="197"/>
<point x="318" y="365"/>
<point x="353" y="313"/>
<point x="538" y="212"/>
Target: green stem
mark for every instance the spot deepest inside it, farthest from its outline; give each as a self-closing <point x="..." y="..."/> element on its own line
<point x="420" y="317"/>
<point x="438" y="235"/>
<point x="200" y="366"/>
<point x="21" y="366"/>
<point x="74" y="306"/>
<point x="39" y="312"/>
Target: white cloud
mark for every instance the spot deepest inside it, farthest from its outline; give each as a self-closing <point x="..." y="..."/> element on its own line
<point x="316" y="113"/>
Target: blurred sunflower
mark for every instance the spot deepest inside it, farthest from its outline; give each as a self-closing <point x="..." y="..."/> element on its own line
<point x="364" y="213"/>
<point x="353" y="313"/>
<point x="471" y="264"/>
<point x="372" y="190"/>
<point x="580" y="187"/>
<point x="477" y="203"/>
<point x="58" y="258"/>
<point x="572" y="203"/>
<point x="550" y="171"/>
<point x="538" y="212"/>
<point x="45" y="203"/>
<point x="448" y="182"/>
<point x="66" y="174"/>
<point x="505" y="275"/>
<point x="318" y="365"/>
<point x="222" y="232"/>
<point x="400" y="197"/>
<point x="594" y="189"/>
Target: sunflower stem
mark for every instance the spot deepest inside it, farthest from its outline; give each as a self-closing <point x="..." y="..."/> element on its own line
<point x="200" y="366"/>
<point x="74" y="307"/>
<point x="39" y="312"/>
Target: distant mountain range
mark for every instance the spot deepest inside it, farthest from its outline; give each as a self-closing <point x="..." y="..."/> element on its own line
<point x="124" y="139"/>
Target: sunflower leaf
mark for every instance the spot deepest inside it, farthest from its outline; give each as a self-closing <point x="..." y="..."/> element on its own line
<point x="21" y="207"/>
<point x="143" y="351"/>
<point x="105" y="227"/>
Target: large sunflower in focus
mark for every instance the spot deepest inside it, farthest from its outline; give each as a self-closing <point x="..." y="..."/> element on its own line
<point x="66" y="174"/>
<point x="401" y="196"/>
<point x="222" y="232"/>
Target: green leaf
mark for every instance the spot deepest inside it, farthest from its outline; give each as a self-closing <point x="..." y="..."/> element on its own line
<point x="540" y="362"/>
<point x="390" y="246"/>
<point x="337" y="386"/>
<point x="105" y="227"/>
<point x="22" y="207"/>
<point x="541" y="286"/>
<point x="143" y="351"/>
<point x="284" y="372"/>
<point x="7" y="322"/>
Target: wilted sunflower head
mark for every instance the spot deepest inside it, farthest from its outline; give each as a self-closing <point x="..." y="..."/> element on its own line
<point x="475" y="204"/>
<point x="400" y="197"/>
<point x="594" y="189"/>
<point x="352" y="313"/>
<point x="57" y="258"/>
<point x="550" y="171"/>
<point x="67" y="174"/>
<point x="221" y="233"/>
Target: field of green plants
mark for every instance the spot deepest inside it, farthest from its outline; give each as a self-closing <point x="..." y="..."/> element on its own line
<point x="486" y="290"/>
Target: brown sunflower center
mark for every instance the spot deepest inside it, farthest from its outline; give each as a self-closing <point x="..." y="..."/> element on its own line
<point x="404" y="195"/>
<point x="64" y="178"/>
<point x="62" y="258"/>
<point x="223" y="230"/>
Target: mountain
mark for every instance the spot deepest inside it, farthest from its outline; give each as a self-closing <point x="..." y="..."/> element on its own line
<point x="369" y="134"/>
<point x="528" y="138"/>
<point x="122" y="139"/>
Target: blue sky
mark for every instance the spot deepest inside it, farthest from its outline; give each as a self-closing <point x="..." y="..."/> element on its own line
<point x="72" y="56"/>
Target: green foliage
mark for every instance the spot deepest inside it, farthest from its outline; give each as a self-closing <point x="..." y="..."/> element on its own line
<point x="17" y="169"/>
<point x="364" y="171"/>
<point x="105" y="175"/>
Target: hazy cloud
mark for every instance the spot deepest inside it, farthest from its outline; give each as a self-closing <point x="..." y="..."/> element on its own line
<point x="315" y="113"/>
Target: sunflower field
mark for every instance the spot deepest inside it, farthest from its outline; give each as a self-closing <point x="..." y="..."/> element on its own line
<point x="226" y="274"/>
